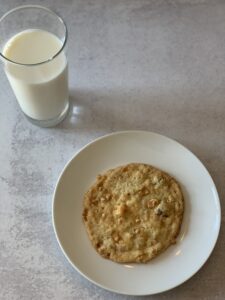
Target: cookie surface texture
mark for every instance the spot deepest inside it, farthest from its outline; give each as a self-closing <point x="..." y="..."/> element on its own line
<point x="133" y="213"/>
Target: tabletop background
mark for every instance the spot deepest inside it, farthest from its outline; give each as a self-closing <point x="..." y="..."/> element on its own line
<point x="134" y="64"/>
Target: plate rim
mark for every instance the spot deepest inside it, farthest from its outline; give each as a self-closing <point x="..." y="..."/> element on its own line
<point x="133" y="132"/>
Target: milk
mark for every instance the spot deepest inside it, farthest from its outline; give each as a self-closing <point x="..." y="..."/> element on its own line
<point x="41" y="90"/>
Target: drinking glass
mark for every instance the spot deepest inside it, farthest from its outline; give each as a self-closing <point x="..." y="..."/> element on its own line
<point x="32" y="48"/>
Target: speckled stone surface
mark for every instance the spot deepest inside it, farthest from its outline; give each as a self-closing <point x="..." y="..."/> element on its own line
<point x="151" y="65"/>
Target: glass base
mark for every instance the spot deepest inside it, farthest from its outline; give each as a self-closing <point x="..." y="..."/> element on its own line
<point x="51" y="122"/>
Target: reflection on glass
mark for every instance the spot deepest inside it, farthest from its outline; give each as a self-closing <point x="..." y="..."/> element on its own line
<point x="77" y="110"/>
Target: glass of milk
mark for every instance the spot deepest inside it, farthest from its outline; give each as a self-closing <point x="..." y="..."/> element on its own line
<point x="32" y="48"/>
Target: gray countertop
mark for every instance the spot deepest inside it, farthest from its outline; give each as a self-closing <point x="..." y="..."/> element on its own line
<point x="149" y="65"/>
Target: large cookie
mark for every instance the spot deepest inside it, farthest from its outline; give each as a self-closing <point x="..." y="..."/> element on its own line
<point x="133" y="212"/>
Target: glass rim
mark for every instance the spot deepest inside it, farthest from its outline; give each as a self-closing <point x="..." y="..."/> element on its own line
<point x="47" y="10"/>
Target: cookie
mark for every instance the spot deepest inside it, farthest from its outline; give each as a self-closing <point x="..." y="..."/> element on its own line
<point x="133" y="213"/>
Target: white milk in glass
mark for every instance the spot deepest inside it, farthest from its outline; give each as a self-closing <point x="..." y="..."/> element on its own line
<point x="41" y="90"/>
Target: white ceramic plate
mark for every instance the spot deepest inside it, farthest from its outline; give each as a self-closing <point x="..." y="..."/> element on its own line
<point x="199" y="230"/>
